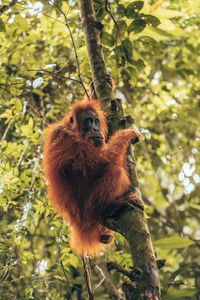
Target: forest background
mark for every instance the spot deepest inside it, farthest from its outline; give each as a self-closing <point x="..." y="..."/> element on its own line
<point x="152" y="50"/>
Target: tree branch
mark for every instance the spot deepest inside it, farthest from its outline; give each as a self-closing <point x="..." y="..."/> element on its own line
<point x="93" y="43"/>
<point x="6" y="131"/>
<point x="131" y="224"/>
<point x="74" y="46"/>
<point x="87" y="277"/>
<point x="67" y="279"/>
<point x="116" y="25"/>
<point x="6" y="7"/>
<point x="54" y="74"/>
<point x="109" y="287"/>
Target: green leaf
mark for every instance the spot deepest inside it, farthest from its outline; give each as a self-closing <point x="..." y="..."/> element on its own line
<point x="152" y="20"/>
<point x="128" y="47"/>
<point x="174" y="293"/>
<point x="73" y="260"/>
<point x="133" y="9"/>
<point x="173" y="242"/>
<point x="168" y="13"/>
<point x="101" y="13"/>
<point x="119" y="55"/>
<point x="139" y="64"/>
<point x="7" y="114"/>
<point x="107" y="39"/>
<point x="150" y="44"/>
<point x="18" y="105"/>
<point x="30" y="123"/>
<point x="121" y="10"/>
<point x="65" y="7"/>
<point x="161" y="34"/>
<point x="4" y="144"/>
<point x="122" y="26"/>
<point x="58" y="277"/>
<point x="26" y="130"/>
<point x="137" y="25"/>
<point x="99" y="2"/>
<point x="14" y="180"/>
<point x="134" y="75"/>
<point x="22" y="22"/>
<point x="2" y="26"/>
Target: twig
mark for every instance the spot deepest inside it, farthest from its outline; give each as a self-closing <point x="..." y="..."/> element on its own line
<point x="116" y="25"/>
<point x="134" y="274"/>
<point x="6" y="7"/>
<point x="87" y="278"/>
<point x="9" y="84"/>
<point x="21" y="156"/>
<point x="70" y="290"/>
<point x="44" y="14"/>
<point x="48" y="16"/>
<point x="6" y="131"/>
<point x="74" y="46"/>
<point x="109" y="287"/>
<point x="112" y="290"/>
<point x="54" y="74"/>
<point x="103" y="276"/>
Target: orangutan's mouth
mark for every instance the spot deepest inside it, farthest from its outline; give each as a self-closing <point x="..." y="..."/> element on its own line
<point x="98" y="140"/>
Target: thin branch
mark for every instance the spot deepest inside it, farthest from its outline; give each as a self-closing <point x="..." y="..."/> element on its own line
<point x="107" y="284"/>
<point x="6" y="7"/>
<point x="87" y="277"/>
<point x="116" y="25"/>
<point x="21" y="156"/>
<point x="74" y="46"/>
<point x="54" y="74"/>
<point x="6" y="131"/>
<point x="48" y="16"/>
<point x="44" y="14"/>
<point x="10" y="84"/>
<point x="134" y="274"/>
<point x="70" y="290"/>
<point x="103" y="276"/>
<point x="112" y="290"/>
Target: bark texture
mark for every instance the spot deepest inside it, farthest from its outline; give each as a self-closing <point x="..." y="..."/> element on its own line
<point x="144" y="281"/>
<point x="92" y="30"/>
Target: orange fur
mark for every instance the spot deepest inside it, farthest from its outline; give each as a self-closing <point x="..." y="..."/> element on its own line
<point x="84" y="180"/>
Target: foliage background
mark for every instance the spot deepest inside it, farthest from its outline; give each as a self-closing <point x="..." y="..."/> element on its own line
<point x="152" y="51"/>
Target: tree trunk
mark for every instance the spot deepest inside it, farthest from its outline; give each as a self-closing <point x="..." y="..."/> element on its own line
<point x="144" y="280"/>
